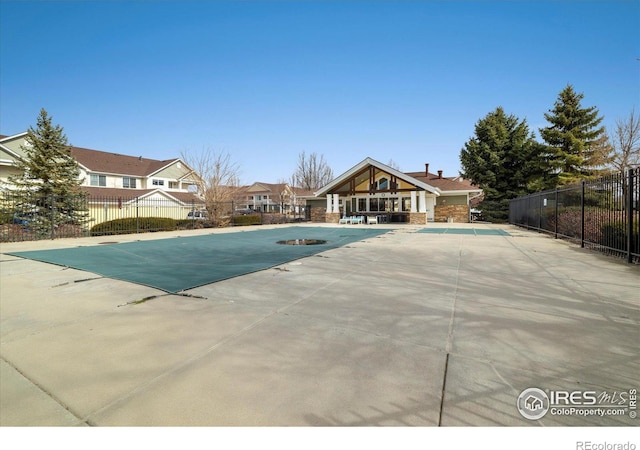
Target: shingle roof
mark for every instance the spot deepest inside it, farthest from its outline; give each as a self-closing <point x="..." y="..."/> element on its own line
<point x="444" y="183"/>
<point x="105" y="162"/>
<point x="302" y="192"/>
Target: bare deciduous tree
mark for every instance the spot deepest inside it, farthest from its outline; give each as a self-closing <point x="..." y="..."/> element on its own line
<point x="626" y="143"/>
<point x="393" y="164"/>
<point x="219" y="179"/>
<point x="312" y="172"/>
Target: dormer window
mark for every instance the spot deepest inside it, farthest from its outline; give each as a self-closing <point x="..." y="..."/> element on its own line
<point x="128" y="182"/>
<point x="98" y="180"/>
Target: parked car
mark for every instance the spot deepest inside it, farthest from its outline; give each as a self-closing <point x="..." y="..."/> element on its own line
<point x="26" y="218"/>
<point x="244" y="212"/>
<point x="198" y="215"/>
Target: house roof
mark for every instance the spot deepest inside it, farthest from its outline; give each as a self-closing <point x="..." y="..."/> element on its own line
<point x="301" y="192"/>
<point x="260" y="186"/>
<point x="336" y="182"/>
<point x="113" y="163"/>
<point x="127" y="194"/>
<point x="275" y="188"/>
<point x="445" y="184"/>
<point x="106" y="162"/>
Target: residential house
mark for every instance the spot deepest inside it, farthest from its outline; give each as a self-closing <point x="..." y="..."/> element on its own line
<point x="120" y="185"/>
<point x="272" y="198"/>
<point x="371" y="188"/>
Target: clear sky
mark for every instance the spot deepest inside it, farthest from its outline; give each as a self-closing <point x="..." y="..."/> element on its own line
<point x="266" y="80"/>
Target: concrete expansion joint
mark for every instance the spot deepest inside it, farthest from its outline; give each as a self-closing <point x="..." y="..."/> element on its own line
<point x="79" y="420"/>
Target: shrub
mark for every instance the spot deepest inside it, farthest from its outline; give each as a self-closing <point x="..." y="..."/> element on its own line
<point x="190" y="224"/>
<point x="133" y="225"/>
<point x="249" y="219"/>
<point x="614" y="235"/>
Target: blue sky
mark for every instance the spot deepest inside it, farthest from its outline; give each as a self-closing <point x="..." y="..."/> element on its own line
<point x="266" y="80"/>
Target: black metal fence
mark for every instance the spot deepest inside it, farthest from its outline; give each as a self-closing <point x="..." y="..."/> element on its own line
<point x="601" y="214"/>
<point x="32" y="216"/>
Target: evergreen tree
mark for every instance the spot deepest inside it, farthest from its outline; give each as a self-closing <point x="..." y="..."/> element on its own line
<point x="504" y="160"/>
<point x="574" y="139"/>
<point x="49" y="179"/>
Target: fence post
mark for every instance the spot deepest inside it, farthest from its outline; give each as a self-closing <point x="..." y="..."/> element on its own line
<point x="540" y="211"/>
<point x="555" y="228"/>
<point x="630" y="216"/>
<point x="582" y="214"/>
<point x="193" y="214"/>
<point x="137" y="217"/>
<point x="52" y="203"/>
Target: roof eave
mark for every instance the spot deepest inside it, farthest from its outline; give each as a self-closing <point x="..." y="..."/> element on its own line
<point x="379" y="165"/>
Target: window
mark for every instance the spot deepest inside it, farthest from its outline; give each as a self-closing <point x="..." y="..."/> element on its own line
<point x="373" y="204"/>
<point x="128" y="182"/>
<point x="383" y="183"/>
<point x="362" y="204"/>
<point x="98" y="180"/>
<point x="173" y="185"/>
<point x="406" y="204"/>
<point x="157" y="182"/>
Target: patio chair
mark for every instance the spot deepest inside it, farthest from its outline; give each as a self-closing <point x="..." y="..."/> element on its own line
<point x="372" y="219"/>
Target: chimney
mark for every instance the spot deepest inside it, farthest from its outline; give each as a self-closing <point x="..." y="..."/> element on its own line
<point x="426" y="170"/>
<point x="439" y="174"/>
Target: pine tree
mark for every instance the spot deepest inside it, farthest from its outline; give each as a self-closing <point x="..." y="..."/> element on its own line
<point x="504" y="160"/>
<point x="575" y="139"/>
<point x="49" y="178"/>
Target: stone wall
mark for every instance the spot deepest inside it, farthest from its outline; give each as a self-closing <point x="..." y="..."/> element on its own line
<point x="417" y="218"/>
<point x="318" y="214"/>
<point x="459" y="213"/>
<point x="332" y="217"/>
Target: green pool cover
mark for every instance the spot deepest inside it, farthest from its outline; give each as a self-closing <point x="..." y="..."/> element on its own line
<point x="473" y="231"/>
<point x="181" y="263"/>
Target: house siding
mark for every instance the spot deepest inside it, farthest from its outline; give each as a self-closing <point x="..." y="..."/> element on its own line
<point x="172" y="173"/>
<point x="15" y="146"/>
<point x="450" y="200"/>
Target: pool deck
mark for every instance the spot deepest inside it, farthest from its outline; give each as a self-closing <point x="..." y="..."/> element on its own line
<point x="403" y="329"/>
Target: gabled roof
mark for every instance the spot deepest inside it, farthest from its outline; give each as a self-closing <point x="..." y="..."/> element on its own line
<point x="336" y="182"/>
<point x="260" y="186"/>
<point x="4" y="137"/>
<point x="114" y="163"/>
<point x="110" y="163"/>
<point x="445" y="184"/>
